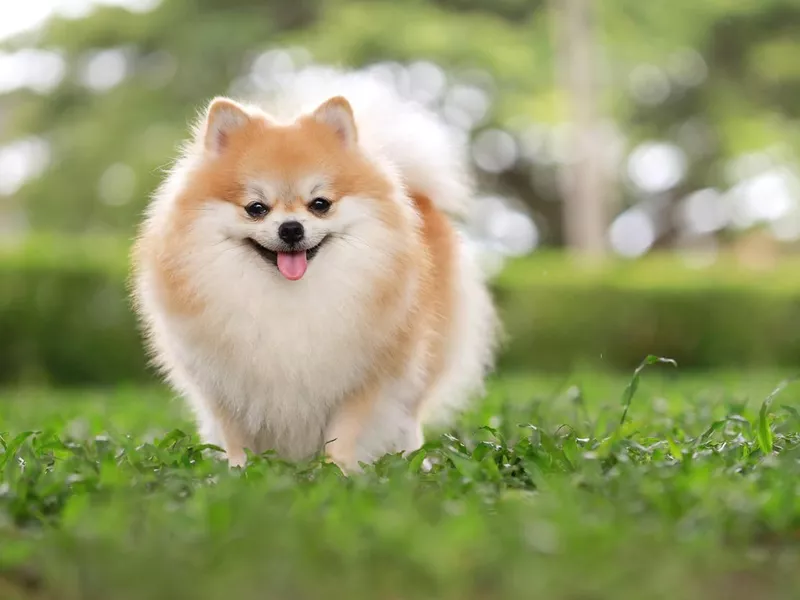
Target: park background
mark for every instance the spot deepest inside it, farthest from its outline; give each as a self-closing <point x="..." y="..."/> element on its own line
<point x="639" y="173"/>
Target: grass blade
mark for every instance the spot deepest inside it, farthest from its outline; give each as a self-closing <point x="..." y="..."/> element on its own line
<point x="764" y="434"/>
<point x="630" y="390"/>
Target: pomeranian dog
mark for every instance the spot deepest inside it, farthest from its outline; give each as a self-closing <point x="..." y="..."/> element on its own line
<point x="301" y="281"/>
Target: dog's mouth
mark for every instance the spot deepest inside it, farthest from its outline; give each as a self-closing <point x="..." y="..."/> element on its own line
<point x="290" y="264"/>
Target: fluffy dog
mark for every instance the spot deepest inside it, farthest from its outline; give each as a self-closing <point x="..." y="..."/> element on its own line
<point x="301" y="281"/>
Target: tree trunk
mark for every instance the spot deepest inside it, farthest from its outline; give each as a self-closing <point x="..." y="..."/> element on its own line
<point x="583" y="182"/>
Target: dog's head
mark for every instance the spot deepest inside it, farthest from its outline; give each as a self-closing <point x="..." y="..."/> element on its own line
<point x="290" y="193"/>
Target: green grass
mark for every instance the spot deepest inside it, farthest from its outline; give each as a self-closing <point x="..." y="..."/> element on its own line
<point x="539" y="492"/>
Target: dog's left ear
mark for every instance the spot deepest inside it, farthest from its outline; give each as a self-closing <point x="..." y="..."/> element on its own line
<point x="337" y="114"/>
<point x="223" y="117"/>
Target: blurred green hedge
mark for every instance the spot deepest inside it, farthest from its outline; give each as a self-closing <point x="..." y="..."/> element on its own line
<point x="559" y="317"/>
<point x="65" y="316"/>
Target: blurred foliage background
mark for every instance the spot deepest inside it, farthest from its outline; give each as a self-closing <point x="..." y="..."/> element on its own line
<point x="681" y="120"/>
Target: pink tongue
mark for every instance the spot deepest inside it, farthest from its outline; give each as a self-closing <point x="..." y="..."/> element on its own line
<point x="292" y="265"/>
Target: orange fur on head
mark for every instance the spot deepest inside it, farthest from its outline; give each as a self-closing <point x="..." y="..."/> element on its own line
<point x="253" y="148"/>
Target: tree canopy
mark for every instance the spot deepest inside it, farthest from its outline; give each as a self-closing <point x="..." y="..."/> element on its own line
<point x="703" y="84"/>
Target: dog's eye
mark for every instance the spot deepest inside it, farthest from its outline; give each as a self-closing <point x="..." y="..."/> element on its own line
<point x="256" y="209"/>
<point x="319" y="206"/>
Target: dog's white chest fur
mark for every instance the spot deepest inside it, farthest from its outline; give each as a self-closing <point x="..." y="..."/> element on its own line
<point x="276" y="355"/>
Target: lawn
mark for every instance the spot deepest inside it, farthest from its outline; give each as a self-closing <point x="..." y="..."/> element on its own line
<point x="539" y="492"/>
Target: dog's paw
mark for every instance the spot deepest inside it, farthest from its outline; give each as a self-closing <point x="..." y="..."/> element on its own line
<point x="328" y="459"/>
<point x="237" y="460"/>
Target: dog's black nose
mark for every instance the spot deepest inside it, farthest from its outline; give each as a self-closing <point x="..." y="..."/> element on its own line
<point x="291" y="232"/>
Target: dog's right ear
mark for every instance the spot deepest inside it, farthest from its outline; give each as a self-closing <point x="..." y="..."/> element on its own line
<point x="337" y="114"/>
<point x="223" y="117"/>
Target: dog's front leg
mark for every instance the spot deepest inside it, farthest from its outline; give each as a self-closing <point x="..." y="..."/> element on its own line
<point x="223" y="430"/>
<point x="369" y="425"/>
<point x="346" y="427"/>
<point x="234" y="448"/>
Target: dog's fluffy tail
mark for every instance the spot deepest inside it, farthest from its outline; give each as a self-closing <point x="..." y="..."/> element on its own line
<point x="429" y="158"/>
